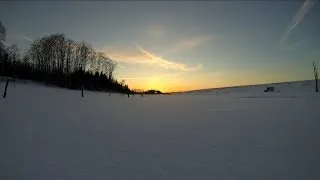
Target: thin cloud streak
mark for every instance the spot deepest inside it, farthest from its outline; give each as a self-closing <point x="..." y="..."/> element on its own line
<point x="297" y="19"/>
<point x="121" y="66"/>
<point x="143" y="56"/>
<point x="124" y="54"/>
<point x="27" y="38"/>
<point x="154" y="59"/>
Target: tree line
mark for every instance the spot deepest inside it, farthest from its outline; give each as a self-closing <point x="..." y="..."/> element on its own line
<point x="57" y="60"/>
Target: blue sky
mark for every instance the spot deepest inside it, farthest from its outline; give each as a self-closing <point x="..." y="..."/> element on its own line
<point x="182" y="45"/>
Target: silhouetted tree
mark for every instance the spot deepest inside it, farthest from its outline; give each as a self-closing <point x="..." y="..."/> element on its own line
<point x="57" y="60"/>
<point x="110" y="69"/>
<point x="13" y="58"/>
<point x="3" y="54"/>
<point x="2" y="35"/>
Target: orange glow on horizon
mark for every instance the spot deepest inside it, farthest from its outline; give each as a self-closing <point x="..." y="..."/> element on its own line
<point x="195" y="81"/>
<point x="165" y="85"/>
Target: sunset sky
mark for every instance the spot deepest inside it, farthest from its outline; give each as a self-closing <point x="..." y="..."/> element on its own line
<point x="182" y="45"/>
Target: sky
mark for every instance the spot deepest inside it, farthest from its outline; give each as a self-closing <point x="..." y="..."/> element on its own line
<point x="182" y="45"/>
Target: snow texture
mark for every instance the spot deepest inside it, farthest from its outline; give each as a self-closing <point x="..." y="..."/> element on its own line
<point x="49" y="133"/>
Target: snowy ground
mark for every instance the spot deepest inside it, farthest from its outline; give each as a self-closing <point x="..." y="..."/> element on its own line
<point x="50" y="133"/>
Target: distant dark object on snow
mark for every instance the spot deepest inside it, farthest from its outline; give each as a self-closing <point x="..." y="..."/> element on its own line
<point x="269" y="89"/>
<point x="153" y="92"/>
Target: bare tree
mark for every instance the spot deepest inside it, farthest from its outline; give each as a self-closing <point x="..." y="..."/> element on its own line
<point x="2" y="48"/>
<point x="111" y="67"/>
<point x="83" y="51"/>
<point x="62" y="61"/>
<point x="26" y="60"/>
<point x="69" y="53"/>
<point x="96" y="62"/>
<point x="315" y="70"/>
<point x="61" y="52"/>
<point x="2" y="34"/>
<point x="13" y="57"/>
<point x="13" y="53"/>
<point x="123" y="82"/>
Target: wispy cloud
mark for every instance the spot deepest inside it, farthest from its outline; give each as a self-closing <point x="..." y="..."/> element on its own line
<point x="27" y="38"/>
<point x="155" y="59"/>
<point x="125" y="54"/>
<point x="139" y="55"/>
<point x="296" y="20"/>
<point x="120" y="66"/>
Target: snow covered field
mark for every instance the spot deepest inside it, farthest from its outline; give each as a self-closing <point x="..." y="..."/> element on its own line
<point x="49" y="133"/>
